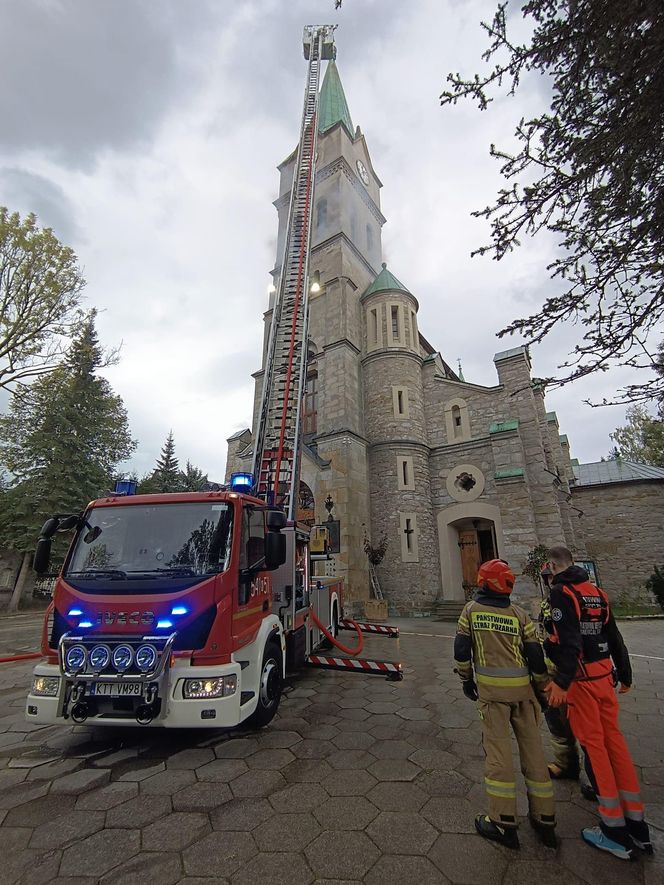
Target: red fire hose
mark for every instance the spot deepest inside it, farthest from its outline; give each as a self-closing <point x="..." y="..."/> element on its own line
<point x="331" y="638"/>
<point x="28" y="657"/>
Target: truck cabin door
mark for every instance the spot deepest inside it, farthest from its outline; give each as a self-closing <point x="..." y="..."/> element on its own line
<point x="254" y="585"/>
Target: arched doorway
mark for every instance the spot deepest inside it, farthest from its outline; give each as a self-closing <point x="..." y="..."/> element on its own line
<point x="468" y="534"/>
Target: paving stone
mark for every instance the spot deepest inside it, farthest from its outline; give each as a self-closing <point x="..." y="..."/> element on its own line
<point x="21" y="793"/>
<point x="67" y="828"/>
<point x="213" y="855"/>
<point x="193" y="758"/>
<point x="146" y="868"/>
<point x="241" y="814"/>
<point x="389" y="749"/>
<point x="175" y="832"/>
<point x="255" y="784"/>
<point x="444" y="783"/>
<point x="353" y="740"/>
<point x="388" y="796"/>
<point x="349" y="783"/>
<point x="449" y="815"/>
<point x="276" y="869"/>
<point x="415" y="713"/>
<point x="394" y="770"/>
<point x="299" y="797"/>
<point x="286" y="832"/>
<point x="313" y="749"/>
<point x="13" y="839"/>
<point x="31" y="867"/>
<point x="111" y="760"/>
<point x="401" y="833"/>
<point x="271" y="759"/>
<point x="435" y="760"/>
<point x="138" y="812"/>
<point x="378" y="707"/>
<point x="323" y="732"/>
<point x="400" y="870"/>
<point x="203" y="880"/>
<point x="33" y="759"/>
<point x="312" y="771"/>
<point x="356" y="715"/>
<point x="470" y="860"/>
<point x="99" y="853"/>
<point x="341" y="855"/>
<point x="11" y="777"/>
<point x="278" y="740"/>
<point x="528" y="872"/>
<point x="202" y="796"/>
<point x="222" y="770"/>
<point x="166" y="783"/>
<point x="345" y="813"/>
<point x="138" y="770"/>
<point x="597" y="867"/>
<point x="39" y="811"/>
<point x="108" y="796"/>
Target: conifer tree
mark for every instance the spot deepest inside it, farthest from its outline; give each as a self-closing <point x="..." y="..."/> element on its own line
<point x="193" y="479"/>
<point x="61" y="442"/>
<point x="167" y="476"/>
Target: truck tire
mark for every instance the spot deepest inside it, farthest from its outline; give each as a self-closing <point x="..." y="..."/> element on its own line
<point x="270" y="686"/>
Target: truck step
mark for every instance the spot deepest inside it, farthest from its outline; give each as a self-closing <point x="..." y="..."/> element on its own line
<point x="380" y="629"/>
<point x="392" y="669"/>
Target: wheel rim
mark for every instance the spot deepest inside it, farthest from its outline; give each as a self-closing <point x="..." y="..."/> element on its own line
<point x="269" y="683"/>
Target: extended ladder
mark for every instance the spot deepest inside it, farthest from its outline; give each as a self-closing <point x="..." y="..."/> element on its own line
<point x="277" y="450"/>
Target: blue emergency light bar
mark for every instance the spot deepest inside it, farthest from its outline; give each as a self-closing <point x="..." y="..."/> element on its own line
<point x="242" y="482"/>
<point x="125" y="487"/>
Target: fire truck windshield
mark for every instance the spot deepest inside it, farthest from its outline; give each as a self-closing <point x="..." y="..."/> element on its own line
<point x="152" y="542"/>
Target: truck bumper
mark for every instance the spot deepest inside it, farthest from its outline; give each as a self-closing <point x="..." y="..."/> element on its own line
<point x="175" y="711"/>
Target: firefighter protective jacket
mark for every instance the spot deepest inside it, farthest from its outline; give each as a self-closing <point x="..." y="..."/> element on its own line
<point x="584" y="641"/>
<point x="497" y="640"/>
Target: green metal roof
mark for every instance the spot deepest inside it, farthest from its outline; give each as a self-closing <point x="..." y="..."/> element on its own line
<point x="504" y="426"/>
<point x="509" y="472"/>
<point x="332" y="106"/>
<point x="385" y="281"/>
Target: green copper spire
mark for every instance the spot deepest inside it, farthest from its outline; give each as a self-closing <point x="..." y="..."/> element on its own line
<point x="460" y="372"/>
<point x="332" y="107"/>
<point x="385" y="282"/>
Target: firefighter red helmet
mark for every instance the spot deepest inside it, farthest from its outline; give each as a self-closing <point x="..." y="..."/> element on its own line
<point x="496" y="575"/>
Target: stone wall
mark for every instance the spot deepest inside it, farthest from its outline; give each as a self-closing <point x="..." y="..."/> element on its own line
<point x="623" y="525"/>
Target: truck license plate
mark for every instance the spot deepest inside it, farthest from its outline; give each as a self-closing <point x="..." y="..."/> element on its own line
<point x="117" y="689"/>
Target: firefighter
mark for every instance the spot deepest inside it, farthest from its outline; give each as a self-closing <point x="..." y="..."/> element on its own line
<point x="563" y="743"/>
<point x="584" y="647"/>
<point x="500" y="661"/>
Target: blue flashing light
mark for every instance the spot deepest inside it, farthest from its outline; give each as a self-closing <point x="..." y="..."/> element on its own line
<point x="74" y="613"/>
<point x="179" y="610"/>
<point x="242" y="482"/>
<point x="125" y="487"/>
<point x="164" y="624"/>
<point x="85" y="623"/>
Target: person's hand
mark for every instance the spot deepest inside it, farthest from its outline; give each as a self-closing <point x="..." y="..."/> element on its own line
<point x="624" y="688"/>
<point x="469" y="689"/>
<point x="557" y="696"/>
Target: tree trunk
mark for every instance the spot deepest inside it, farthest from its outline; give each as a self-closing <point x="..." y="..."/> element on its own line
<point x="20" y="583"/>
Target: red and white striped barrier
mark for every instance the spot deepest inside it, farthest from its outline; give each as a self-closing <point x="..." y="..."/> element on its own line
<point x="384" y="629"/>
<point x="392" y="669"/>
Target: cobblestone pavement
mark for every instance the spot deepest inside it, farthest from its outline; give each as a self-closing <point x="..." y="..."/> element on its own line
<point x="357" y="780"/>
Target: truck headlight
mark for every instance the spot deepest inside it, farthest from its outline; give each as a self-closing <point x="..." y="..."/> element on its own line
<point x="219" y="687"/>
<point x="46" y="686"/>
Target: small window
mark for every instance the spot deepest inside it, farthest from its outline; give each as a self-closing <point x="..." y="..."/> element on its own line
<point x="408" y="531"/>
<point x="321" y="213"/>
<point x="400" y="401"/>
<point x="404" y="472"/>
<point x="413" y="330"/>
<point x="395" y="322"/>
<point x="370" y="239"/>
<point x="374" y="326"/>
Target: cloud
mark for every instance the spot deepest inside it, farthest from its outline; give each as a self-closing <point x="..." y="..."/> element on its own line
<point x="26" y="192"/>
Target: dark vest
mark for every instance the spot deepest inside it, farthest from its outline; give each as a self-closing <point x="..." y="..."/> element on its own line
<point x="592" y="609"/>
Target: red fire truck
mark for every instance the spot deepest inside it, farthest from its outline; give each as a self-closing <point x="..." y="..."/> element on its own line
<point x="185" y="610"/>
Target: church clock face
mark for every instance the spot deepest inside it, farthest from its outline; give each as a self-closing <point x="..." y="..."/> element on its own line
<point x="362" y="171"/>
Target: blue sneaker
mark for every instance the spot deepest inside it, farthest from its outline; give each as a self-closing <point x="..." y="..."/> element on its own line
<point x="595" y="837"/>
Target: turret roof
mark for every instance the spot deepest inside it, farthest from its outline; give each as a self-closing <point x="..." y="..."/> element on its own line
<point x="332" y="105"/>
<point x="385" y="281"/>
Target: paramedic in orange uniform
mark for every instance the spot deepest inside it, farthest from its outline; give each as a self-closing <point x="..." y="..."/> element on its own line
<point x="584" y="647"/>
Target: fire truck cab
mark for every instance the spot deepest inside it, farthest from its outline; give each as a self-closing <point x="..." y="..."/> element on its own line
<point x="177" y="610"/>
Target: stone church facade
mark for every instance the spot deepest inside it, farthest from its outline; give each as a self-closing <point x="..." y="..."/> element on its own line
<point x="452" y="473"/>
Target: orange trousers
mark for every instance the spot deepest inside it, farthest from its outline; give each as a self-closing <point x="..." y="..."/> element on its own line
<point x="593" y="716"/>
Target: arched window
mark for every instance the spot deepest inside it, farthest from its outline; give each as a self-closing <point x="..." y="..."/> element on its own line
<point x="456" y="420"/>
<point x="321" y="213"/>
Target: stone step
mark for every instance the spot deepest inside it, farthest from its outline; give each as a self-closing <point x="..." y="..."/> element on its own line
<point x="449" y="610"/>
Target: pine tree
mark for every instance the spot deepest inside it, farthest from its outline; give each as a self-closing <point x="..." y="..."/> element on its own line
<point x="167" y="476"/>
<point x="193" y="479"/>
<point x="61" y="442"/>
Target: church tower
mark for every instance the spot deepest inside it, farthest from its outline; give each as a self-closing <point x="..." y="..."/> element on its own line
<point x="346" y="252"/>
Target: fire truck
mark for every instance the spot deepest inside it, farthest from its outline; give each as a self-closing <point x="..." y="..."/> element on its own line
<point x="189" y="609"/>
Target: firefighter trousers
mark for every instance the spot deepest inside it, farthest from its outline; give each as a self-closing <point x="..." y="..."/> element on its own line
<point x="593" y="714"/>
<point x="499" y="779"/>
<point x="563" y="742"/>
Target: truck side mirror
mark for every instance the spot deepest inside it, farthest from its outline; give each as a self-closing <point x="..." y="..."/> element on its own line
<point x="275" y="550"/>
<point x="276" y="520"/>
<point x="50" y="527"/>
<point x="42" y="556"/>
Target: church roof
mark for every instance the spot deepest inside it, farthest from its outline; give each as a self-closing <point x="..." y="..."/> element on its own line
<point x="616" y="470"/>
<point x="332" y="106"/>
<point x="385" y="281"/>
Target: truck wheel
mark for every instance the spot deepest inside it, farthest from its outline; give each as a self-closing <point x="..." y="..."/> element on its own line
<point x="269" y="688"/>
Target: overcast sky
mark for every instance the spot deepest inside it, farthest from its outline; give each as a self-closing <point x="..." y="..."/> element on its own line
<point x="147" y="134"/>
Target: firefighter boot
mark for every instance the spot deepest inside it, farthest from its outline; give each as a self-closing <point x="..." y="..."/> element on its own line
<point x="546" y="833"/>
<point x="506" y="836"/>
